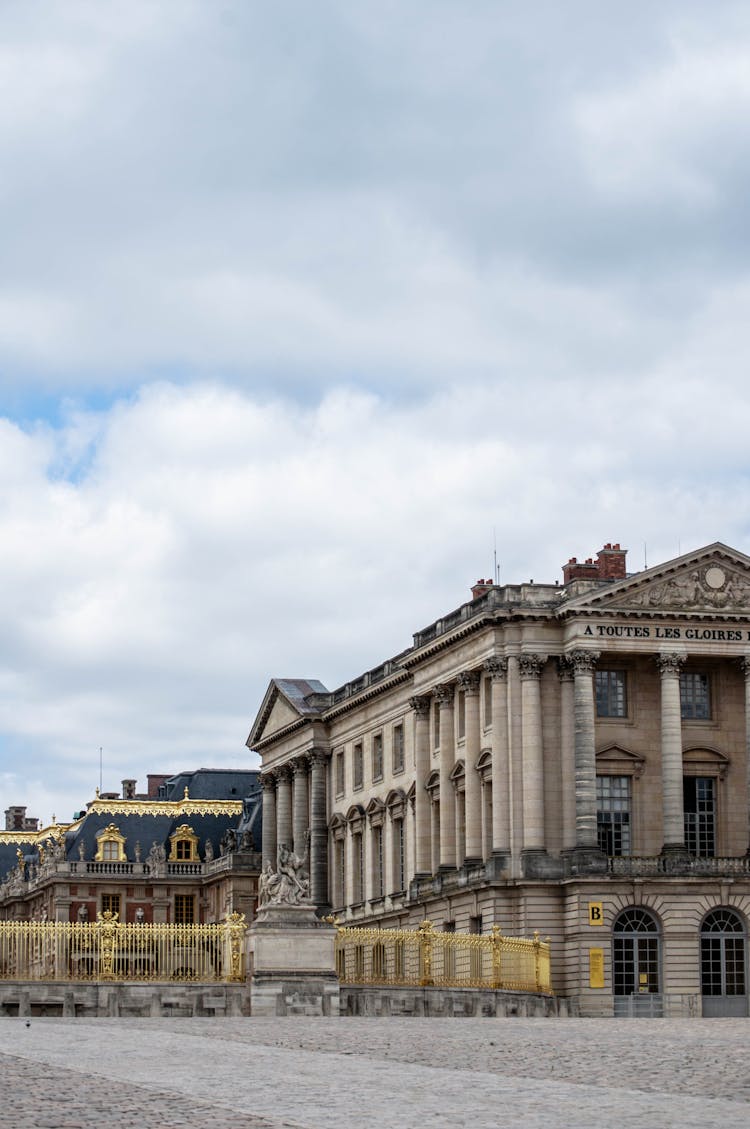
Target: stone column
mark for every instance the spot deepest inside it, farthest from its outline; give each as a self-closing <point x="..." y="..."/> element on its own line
<point x="318" y="831"/>
<point x="444" y="696"/>
<point x="498" y="670"/>
<point x="469" y="684"/>
<point x="583" y="663"/>
<point x="567" y="753"/>
<point x="531" y="743"/>
<point x="268" y="784"/>
<point x="421" y="707"/>
<point x="301" y="818"/>
<point x="671" y="753"/>
<point x="284" y="806"/>
<point x="745" y="664"/>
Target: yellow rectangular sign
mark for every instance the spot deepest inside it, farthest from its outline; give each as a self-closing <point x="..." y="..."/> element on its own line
<point x="596" y="913"/>
<point x="596" y="968"/>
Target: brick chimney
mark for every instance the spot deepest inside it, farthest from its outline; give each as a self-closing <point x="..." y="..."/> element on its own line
<point x="480" y="588"/>
<point x="609" y="565"/>
<point x="128" y="789"/>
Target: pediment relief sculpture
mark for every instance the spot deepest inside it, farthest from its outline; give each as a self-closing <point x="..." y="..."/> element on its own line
<point x="711" y="587"/>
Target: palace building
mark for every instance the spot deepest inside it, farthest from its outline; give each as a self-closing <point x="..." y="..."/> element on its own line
<point x="185" y="852"/>
<point x="569" y="757"/>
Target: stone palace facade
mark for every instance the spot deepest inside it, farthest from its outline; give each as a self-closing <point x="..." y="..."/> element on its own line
<point x="571" y="758"/>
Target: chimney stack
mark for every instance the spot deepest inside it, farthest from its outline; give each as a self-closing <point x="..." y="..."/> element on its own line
<point x="609" y="565"/>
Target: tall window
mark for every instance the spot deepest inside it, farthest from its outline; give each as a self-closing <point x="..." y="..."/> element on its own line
<point x="695" y="695"/>
<point x="358" y="868"/>
<point x="110" y="851"/>
<point x="487" y="702"/>
<point x="610" y="693"/>
<point x="340" y="773"/>
<point x="461" y="714"/>
<point x="613" y="814"/>
<point x="398" y="748"/>
<point x="722" y="954"/>
<point x="435" y="726"/>
<point x="111" y="902"/>
<point x="398" y="855"/>
<point x="339" y="859"/>
<point x="377" y="861"/>
<point x="358" y="759"/>
<point x="635" y="942"/>
<point x="184" y="909"/>
<point x="377" y="756"/>
<point x="699" y="801"/>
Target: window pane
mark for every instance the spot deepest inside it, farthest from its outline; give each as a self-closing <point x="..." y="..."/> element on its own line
<point x="613" y="814"/>
<point x="695" y="701"/>
<point x="610" y="693"/>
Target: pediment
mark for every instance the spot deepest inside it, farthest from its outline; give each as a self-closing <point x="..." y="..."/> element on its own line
<point x="619" y="761"/>
<point x="286" y="701"/>
<point x="714" y="581"/>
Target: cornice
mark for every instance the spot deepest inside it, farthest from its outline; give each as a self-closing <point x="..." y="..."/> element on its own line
<point x="366" y="694"/>
<point x="171" y="808"/>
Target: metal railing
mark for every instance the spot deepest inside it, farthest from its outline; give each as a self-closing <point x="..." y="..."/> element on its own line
<point x="424" y="957"/>
<point x="108" y="949"/>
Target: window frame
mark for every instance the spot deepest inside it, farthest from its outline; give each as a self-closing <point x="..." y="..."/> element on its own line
<point x="611" y="699"/>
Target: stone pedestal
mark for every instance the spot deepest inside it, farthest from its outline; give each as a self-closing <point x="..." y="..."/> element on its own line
<point x="293" y="963"/>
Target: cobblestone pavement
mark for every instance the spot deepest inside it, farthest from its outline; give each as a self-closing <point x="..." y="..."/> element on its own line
<point x="315" y="1073"/>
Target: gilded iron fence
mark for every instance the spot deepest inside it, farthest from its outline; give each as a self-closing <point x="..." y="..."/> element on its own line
<point x="108" y="949"/>
<point x="424" y="957"/>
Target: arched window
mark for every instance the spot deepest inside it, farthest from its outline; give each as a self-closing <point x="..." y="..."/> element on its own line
<point x="723" y="978"/>
<point x="635" y="963"/>
<point x="110" y="845"/>
<point x="184" y="845"/>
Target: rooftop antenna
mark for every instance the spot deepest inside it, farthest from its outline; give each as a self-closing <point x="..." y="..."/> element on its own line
<point x="645" y="559"/>
<point x="497" y="571"/>
<point x="100" y="768"/>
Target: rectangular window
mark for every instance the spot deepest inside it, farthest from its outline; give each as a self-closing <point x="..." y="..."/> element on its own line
<point x="487" y="702"/>
<point x="358" y="769"/>
<point x="699" y="798"/>
<point x="183" y="849"/>
<point x="338" y="867"/>
<point x="461" y="714"/>
<point x="110" y="850"/>
<point x="613" y="814"/>
<point x="377" y="756"/>
<point x="435" y="726"/>
<point x="340" y="773"/>
<point x="358" y="859"/>
<point x="398" y="855"/>
<point x="377" y="861"/>
<point x="610" y="693"/>
<point x="398" y="748"/>
<point x="695" y="696"/>
<point x="184" y="909"/>
<point x="111" y="902"/>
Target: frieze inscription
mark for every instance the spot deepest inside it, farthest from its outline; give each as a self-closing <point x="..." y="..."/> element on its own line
<point x="662" y="631"/>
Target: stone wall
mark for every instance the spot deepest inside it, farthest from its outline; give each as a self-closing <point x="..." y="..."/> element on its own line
<point x="450" y="1002"/>
<point x="31" y="998"/>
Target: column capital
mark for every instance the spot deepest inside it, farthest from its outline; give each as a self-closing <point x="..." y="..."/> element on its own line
<point x="268" y="782"/>
<point x="283" y="773"/>
<point x="583" y="662"/>
<point x="300" y="766"/>
<point x="318" y="757"/>
<point x="531" y="665"/>
<point x="745" y="665"/>
<point x="443" y="694"/>
<point x="468" y="681"/>
<point x="564" y="668"/>
<point x="669" y="663"/>
<point x="497" y="667"/>
<point x="421" y="703"/>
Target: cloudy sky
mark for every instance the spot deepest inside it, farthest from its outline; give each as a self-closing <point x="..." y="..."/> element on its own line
<point x="304" y="307"/>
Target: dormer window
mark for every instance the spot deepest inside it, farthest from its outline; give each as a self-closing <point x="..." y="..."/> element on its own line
<point x="184" y="845"/>
<point x="110" y="845"/>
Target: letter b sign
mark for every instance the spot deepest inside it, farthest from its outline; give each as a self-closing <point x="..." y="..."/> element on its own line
<point x="596" y="913"/>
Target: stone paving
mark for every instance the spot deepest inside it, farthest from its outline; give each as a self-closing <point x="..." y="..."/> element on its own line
<point x="312" y="1073"/>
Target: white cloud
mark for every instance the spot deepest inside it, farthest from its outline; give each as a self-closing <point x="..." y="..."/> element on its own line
<point x="210" y="540"/>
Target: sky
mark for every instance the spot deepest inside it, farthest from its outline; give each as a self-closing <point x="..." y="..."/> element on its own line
<point x="305" y="309"/>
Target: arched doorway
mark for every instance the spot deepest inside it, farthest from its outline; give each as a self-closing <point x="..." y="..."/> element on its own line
<point x="636" y="960"/>
<point x="723" y="974"/>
